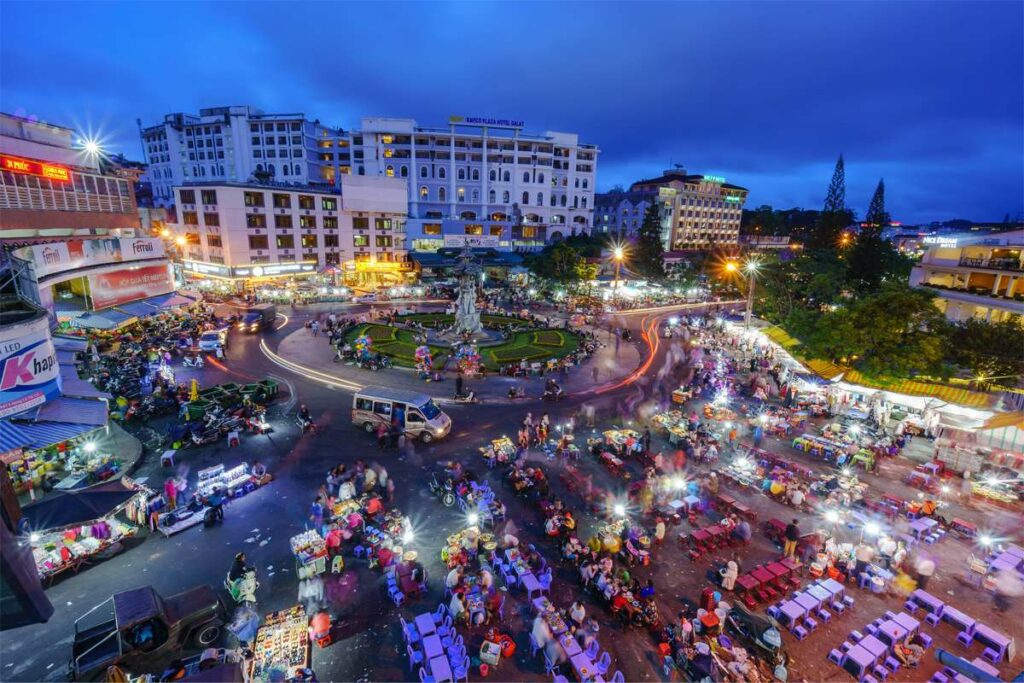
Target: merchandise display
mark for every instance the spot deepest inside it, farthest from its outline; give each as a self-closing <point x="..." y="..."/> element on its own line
<point x="67" y="549"/>
<point x="282" y="644"/>
<point x="233" y="481"/>
<point x="310" y="551"/>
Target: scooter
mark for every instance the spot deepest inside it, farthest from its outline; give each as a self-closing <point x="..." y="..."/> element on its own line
<point x="193" y="362"/>
<point x="243" y="589"/>
<point x="467" y="397"/>
<point x="304" y="425"/>
<point x="555" y="396"/>
<point x="443" y="491"/>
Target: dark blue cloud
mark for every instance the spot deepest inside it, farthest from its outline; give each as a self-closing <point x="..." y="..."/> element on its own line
<point x="928" y="95"/>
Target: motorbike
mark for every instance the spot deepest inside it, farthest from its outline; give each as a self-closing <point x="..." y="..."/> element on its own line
<point x="445" y="492"/>
<point x="243" y="589"/>
<point x="553" y="395"/>
<point x="466" y="397"/>
<point x="304" y="425"/>
<point x="193" y="362"/>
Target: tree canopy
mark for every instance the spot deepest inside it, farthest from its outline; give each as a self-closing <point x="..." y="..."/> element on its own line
<point x="648" y="254"/>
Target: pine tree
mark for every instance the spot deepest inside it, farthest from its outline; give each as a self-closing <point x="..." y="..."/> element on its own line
<point x="835" y="216"/>
<point x="649" y="254"/>
<point x="835" y="200"/>
<point x="877" y="218"/>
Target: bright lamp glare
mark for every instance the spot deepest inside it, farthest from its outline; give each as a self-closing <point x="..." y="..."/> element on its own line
<point x="473" y="518"/>
<point x="985" y="540"/>
<point x="846" y="471"/>
<point x="872" y="529"/>
<point x="34" y="538"/>
<point x="620" y="510"/>
<point x="90" y="447"/>
<point x="408" y="536"/>
<point x="831" y="516"/>
<point x="678" y="483"/>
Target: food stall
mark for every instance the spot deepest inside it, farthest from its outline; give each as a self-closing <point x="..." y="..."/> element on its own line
<point x="79" y="459"/>
<point x="310" y="551"/>
<point x="281" y="646"/>
<point x="500" y="450"/>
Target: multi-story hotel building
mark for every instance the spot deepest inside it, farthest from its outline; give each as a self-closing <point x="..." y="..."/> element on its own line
<point x="239" y="144"/>
<point x="698" y="211"/>
<point x="50" y="190"/>
<point x="980" y="276"/>
<point x="249" y="232"/>
<point x="482" y="180"/>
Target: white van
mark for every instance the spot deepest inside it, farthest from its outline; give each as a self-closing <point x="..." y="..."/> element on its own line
<point x="417" y="412"/>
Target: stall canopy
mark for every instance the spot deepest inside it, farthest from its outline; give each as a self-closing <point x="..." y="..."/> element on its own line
<point x="171" y="300"/>
<point x="110" y="319"/>
<point x="76" y="344"/>
<point x="71" y="508"/>
<point x="36" y="435"/>
<point x="74" y="386"/>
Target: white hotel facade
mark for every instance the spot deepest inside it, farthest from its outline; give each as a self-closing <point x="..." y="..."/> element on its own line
<point x="484" y="180"/>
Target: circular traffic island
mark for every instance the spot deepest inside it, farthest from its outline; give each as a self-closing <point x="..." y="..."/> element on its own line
<point x="511" y="340"/>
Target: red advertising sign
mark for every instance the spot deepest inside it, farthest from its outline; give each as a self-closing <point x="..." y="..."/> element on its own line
<point x="36" y="168"/>
<point x="129" y="284"/>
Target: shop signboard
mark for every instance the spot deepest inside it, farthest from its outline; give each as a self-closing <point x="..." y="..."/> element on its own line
<point x="29" y="373"/>
<point x="201" y="268"/>
<point x="274" y="269"/>
<point x="481" y="241"/>
<point x="129" y="284"/>
<point x="57" y="257"/>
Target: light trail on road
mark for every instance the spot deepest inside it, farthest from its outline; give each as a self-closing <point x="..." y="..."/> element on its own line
<point x="309" y="373"/>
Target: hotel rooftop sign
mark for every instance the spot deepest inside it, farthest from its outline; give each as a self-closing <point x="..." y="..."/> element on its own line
<point x="480" y="121"/>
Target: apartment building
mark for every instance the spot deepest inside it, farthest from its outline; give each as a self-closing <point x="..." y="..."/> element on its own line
<point x="974" y="275"/>
<point x="698" y="211"/>
<point x="51" y="190"/>
<point x="238" y="144"/>
<point x="484" y="181"/>
<point x="244" y="232"/>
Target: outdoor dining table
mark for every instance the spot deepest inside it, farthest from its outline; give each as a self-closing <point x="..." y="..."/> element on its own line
<point x="570" y="645"/>
<point x="778" y="571"/>
<point x="807" y="601"/>
<point x="952" y="615"/>
<point x="530" y="583"/>
<point x="556" y="623"/>
<point x="1015" y="550"/>
<point x="716" y="531"/>
<point x="701" y="535"/>
<point x="837" y="589"/>
<point x="861" y="657"/>
<point x="747" y="582"/>
<point x="922" y="525"/>
<point x="584" y="668"/>
<point x="890" y="633"/>
<point x="542" y="604"/>
<point x="927" y="600"/>
<point x="440" y="669"/>
<point x="793" y="611"/>
<point x="432" y="647"/>
<point x="874" y="646"/>
<point x="908" y="622"/>
<point x="985" y="666"/>
<point x="820" y="592"/>
<point x="762" y="575"/>
<point x="991" y="638"/>
<point x="789" y="563"/>
<point x="424" y="624"/>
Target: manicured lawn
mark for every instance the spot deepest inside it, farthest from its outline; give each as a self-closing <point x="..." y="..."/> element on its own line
<point x="445" y="319"/>
<point x="397" y="344"/>
<point x="532" y="345"/>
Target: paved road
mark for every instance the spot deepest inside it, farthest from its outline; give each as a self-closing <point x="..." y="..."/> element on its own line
<point x="261" y="523"/>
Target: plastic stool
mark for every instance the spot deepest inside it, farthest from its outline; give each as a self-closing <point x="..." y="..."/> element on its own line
<point x="836" y="656"/>
<point x="868" y="679"/>
<point x="892" y="664"/>
<point x="911" y="606"/>
<point x="933" y="618"/>
<point x="167" y="459"/>
<point x="856" y="636"/>
<point x="991" y="655"/>
<point x="926" y="640"/>
<point x="881" y="672"/>
<point x="848" y="600"/>
<point x="824" y="615"/>
<point x="846" y="646"/>
<point x="800" y="632"/>
<point x="774" y="612"/>
<point x="964" y="638"/>
<point x="810" y="624"/>
<point x="872" y="629"/>
<point x="938" y="677"/>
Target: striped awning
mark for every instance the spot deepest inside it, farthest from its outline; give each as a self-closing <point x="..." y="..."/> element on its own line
<point x="61" y="343"/>
<point x="12" y="436"/>
<point x="139" y="309"/>
<point x="942" y="392"/>
<point x="82" y="411"/>
<point x="36" y="435"/>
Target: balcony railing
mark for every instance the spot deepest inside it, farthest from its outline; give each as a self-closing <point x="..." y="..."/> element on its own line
<point x="993" y="263"/>
<point x="976" y="291"/>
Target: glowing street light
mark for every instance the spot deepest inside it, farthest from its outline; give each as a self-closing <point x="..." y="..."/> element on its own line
<point x="89" y="446"/>
<point x="831" y="516"/>
<point x="618" y="255"/>
<point x="180" y="240"/>
<point x="473" y="519"/>
<point x="872" y="529"/>
<point x="408" y="536"/>
<point x="619" y="510"/>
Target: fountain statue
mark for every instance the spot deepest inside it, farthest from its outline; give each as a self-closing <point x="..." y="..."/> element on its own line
<point x="467" y="317"/>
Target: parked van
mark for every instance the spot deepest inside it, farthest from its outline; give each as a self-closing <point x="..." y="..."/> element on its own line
<point x="416" y="412"/>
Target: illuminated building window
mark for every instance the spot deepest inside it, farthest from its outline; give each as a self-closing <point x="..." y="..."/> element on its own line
<point x="474" y="229"/>
<point x="390" y="171"/>
<point x="431" y="228"/>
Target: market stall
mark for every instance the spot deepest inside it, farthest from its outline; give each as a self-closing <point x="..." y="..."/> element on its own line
<point x="281" y="646"/>
<point x="310" y="551"/>
<point x="71" y="528"/>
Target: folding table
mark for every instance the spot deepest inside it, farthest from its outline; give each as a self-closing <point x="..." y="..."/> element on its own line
<point x="778" y="571"/>
<point x="440" y="669"/>
<point x="837" y="589"/>
<point x="807" y="601"/>
<point x="858" y="661"/>
<point x="952" y="615"/>
<point x="763" y="575"/>
<point x="908" y="622"/>
<point x="821" y="593"/>
<point x="989" y="637"/>
<point x="793" y="611"/>
<point x="874" y="646"/>
<point x="584" y="668"/>
<point x="424" y="624"/>
<point x="432" y="647"/>
<point x="890" y="633"/>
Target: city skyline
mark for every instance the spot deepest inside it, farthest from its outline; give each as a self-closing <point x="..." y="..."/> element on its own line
<point x="766" y="95"/>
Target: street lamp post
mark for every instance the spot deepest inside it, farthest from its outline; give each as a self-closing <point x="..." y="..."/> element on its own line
<point x="751" y="268"/>
<point x="618" y="254"/>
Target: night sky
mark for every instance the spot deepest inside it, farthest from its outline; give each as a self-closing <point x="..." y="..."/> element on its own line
<point x="926" y="94"/>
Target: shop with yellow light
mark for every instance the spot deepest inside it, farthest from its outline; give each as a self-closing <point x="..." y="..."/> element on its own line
<point x="224" y="278"/>
<point x="371" y="273"/>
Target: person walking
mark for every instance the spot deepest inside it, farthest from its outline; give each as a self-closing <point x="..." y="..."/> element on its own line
<point x="924" y="569"/>
<point x="595" y="371"/>
<point x="171" y="493"/>
<point x="382" y="435"/>
<point x="792" y="537"/>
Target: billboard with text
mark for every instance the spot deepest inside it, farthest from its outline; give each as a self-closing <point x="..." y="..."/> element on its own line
<point x="56" y="257"/>
<point x="29" y="373"/>
<point x="129" y="284"/>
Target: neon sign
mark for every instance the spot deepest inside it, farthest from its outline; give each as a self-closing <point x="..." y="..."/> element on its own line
<point x="36" y="168"/>
<point x="714" y="179"/>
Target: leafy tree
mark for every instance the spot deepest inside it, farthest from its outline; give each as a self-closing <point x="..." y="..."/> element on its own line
<point x="989" y="349"/>
<point x="835" y="216"/>
<point x="648" y="257"/>
<point x="872" y="261"/>
<point x="559" y="262"/>
<point x="898" y="331"/>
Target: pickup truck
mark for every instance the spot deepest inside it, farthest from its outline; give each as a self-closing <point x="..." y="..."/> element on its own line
<point x="136" y="627"/>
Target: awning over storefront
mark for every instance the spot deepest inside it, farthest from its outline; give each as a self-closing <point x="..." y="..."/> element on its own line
<point x="77" y="344"/>
<point x="71" y="508"/>
<point x="139" y="309"/>
<point x="80" y="411"/>
<point x="36" y="435"/>
<point x="171" y="300"/>
<point x="109" y="319"/>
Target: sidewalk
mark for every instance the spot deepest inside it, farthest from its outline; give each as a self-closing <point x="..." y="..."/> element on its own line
<point x="314" y="354"/>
